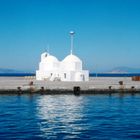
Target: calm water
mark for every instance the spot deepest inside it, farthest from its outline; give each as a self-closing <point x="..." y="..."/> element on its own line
<point x="91" y="74"/>
<point x="70" y="117"/>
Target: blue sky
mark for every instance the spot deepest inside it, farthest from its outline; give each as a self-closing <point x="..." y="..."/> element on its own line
<point x="107" y="32"/>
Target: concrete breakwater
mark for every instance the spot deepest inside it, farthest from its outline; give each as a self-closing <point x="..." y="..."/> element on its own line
<point x="100" y="85"/>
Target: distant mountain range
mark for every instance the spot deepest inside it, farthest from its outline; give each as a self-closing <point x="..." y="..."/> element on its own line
<point x="125" y="70"/>
<point x="114" y="70"/>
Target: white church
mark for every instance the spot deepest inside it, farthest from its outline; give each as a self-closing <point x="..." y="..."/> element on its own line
<point x="69" y="69"/>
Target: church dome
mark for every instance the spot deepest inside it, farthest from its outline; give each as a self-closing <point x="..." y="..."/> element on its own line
<point x="71" y="58"/>
<point x="51" y="58"/>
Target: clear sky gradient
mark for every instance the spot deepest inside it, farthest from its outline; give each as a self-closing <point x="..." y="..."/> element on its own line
<point x="107" y="32"/>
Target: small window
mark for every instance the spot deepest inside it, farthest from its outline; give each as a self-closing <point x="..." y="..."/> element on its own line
<point x="65" y="75"/>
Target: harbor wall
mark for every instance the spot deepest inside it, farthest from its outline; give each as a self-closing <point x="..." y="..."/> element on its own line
<point x="22" y="85"/>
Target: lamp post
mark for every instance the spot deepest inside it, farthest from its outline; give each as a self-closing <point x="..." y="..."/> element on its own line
<point x="71" y="34"/>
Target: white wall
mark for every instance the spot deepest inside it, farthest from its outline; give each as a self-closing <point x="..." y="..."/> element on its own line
<point x="73" y="70"/>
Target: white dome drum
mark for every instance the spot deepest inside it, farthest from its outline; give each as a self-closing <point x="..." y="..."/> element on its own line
<point x="72" y="62"/>
<point x="71" y="58"/>
<point x="51" y="59"/>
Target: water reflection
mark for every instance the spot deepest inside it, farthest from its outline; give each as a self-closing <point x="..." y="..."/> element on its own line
<point x="70" y="117"/>
<point x="60" y="115"/>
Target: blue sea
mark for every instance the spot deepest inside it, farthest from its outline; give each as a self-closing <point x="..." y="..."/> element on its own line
<point x="91" y="74"/>
<point x="69" y="117"/>
<point x="16" y="74"/>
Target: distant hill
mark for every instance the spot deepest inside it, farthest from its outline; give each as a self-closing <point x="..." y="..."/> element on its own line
<point x="125" y="70"/>
<point x="4" y="70"/>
